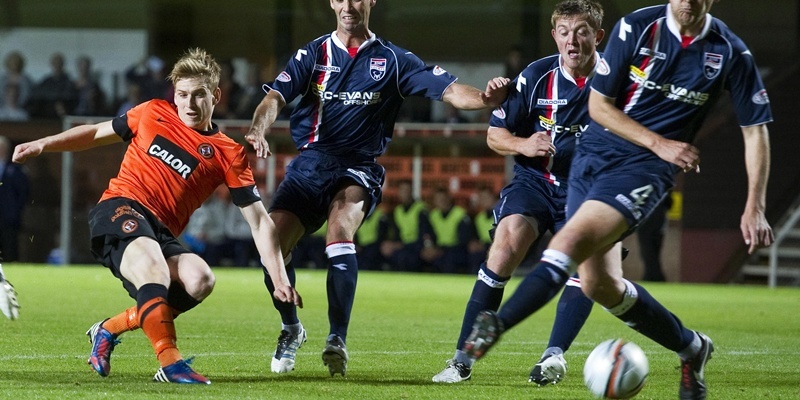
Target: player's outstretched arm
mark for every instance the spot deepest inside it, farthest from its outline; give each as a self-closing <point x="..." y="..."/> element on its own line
<point x="74" y="139"/>
<point x="756" y="231"/>
<point x="269" y="250"/>
<point x="603" y="110"/>
<point x="466" y="97"/>
<point x="265" y="115"/>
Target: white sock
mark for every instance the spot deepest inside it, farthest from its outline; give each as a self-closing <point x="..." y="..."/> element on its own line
<point x="692" y="349"/>
<point x="462" y="357"/>
<point x="294" y="329"/>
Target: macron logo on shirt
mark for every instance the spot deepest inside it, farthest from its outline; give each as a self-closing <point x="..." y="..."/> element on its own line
<point x="171" y="155"/>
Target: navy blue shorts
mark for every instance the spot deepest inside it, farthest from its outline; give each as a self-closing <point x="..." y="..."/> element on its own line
<point x="115" y="223"/>
<point x="313" y="178"/>
<point x="634" y="186"/>
<point x="532" y="196"/>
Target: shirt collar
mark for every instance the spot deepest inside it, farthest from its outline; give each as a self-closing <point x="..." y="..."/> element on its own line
<point x="341" y="45"/>
<point x="570" y="77"/>
<point x="674" y="27"/>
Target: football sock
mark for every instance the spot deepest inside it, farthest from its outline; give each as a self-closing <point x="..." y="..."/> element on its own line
<point x="125" y="321"/>
<point x="571" y="313"/>
<point x="293" y="329"/>
<point x="288" y="311"/>
<point x="128" y="320"/>
<point x="692" y="349"/>
<point x="462" y="357"/>
<point x="538" y="287"/>
<point x="487" y="294"/>
<point x="155" y="318"/>
<point x="642" y="312"/>
<point x="341" y="285"/>
<point x="552" y="351"/>
<point x="179" y="299"/>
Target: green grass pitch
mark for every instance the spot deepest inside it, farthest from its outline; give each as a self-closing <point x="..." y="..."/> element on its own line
<point x="403" y="330"/>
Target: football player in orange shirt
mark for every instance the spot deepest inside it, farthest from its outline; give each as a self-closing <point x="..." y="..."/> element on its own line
<point x="175" y="159"/>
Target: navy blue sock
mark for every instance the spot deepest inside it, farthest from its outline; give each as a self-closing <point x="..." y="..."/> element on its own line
<point x="541" y="285"/>
<point x="341" y="285"/>
<point x="647" y="316"/>
<point x="288" y="311"/>
<point x="573" y="310"/>
<point x="487" y="294"/>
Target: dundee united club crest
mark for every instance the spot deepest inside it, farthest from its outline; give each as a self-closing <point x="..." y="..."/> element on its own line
<point x="130" y="225"/>
<point x="377" y="68"/>
<point x="206" y="151"/>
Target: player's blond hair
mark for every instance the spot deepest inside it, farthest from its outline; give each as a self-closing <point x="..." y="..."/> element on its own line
<point x="196" y="63"/>
<point x="590" y="9"/>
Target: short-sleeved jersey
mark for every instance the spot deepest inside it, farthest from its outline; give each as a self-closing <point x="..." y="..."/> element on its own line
<point x="349" y="104"/>
<point x="670" y="88"/>
<point x="171" y="169"/>
<point x="546" y="98"/>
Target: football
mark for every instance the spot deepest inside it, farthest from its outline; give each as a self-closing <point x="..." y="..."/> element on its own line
<point x="615" y="369"/>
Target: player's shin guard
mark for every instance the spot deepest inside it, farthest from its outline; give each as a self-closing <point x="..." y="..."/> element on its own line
<point x="288" y="311"/>
<point x="487" y="294"/>
<point x="646" y="315"/>
<point x="125" y="321"/>
<point x="341" y="285"/>
<point x="541" y="285"/>
<point x="573" y="310"/>
<point x="155" y="318"/>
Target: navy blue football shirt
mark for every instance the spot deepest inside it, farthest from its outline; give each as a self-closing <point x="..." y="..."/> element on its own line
<point x="669" y="83"/>
<point x="545" y="98"/>
<point x="349" y="104"/>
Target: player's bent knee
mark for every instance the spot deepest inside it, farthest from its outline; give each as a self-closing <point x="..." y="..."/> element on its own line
<point x="204" y="285"/>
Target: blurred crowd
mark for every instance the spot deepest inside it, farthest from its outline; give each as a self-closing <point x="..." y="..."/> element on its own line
<point x="64" y="91"/>
<point x="77" y="91"/>
<point x="411" y="235"/>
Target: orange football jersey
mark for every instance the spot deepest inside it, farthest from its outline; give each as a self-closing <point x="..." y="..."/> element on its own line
<point x="172" y="169"/>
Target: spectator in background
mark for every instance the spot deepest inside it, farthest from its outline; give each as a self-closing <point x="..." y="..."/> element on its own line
<point x="251" y="94"/>
<point x="230" y="93"/>
<point x="15" y="75"/>
<point x="239" y="244"/>
<point x="9" y="108"/>
<point x="205" y="232"/>
<point x="514" y="62"/>
<point x="151" y="77"/>
<point x="133" y="97"/>
<point x="651" y="239"/>
<point x="369" y="237"/>
<point x="91" y="99"/>
<point x="13" y="197"/>
<point x="310" y="249"/>
<point x="409" y="230"/>
<point x="452" y="230"/>
<point x="483" y="220"/>
<point x="55" y="95"/>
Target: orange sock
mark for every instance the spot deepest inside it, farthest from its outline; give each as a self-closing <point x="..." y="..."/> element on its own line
<point x="155" y="318"/>
<point x="125" y="321"/>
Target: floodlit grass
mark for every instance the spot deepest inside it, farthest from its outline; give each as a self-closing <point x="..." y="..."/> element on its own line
<point x="403" y="330"/>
